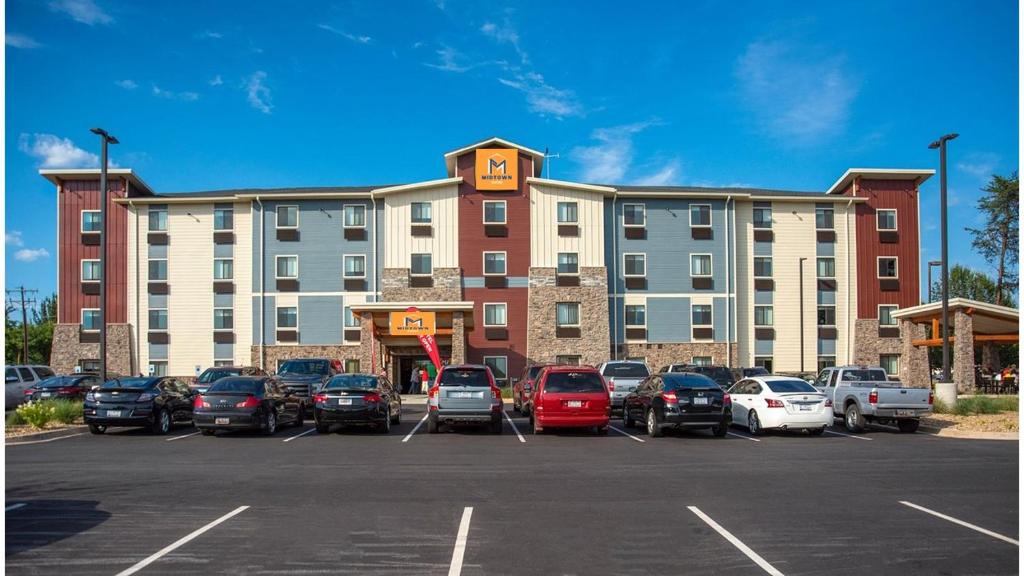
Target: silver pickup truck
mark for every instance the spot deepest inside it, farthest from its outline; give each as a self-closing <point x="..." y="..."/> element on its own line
<point x="862" y="394"/>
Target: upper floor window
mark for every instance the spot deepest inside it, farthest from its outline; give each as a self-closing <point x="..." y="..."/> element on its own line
<point x="355" y="266"/>
<point x="288" y="317"/>
<point x="700" y="265"/>
<point x="494" y="263"/>
<point x="762" y="215"/>
<point x="223" y="219"/>
<point x="157" y="219"/>
<point x="568" y="263"/>
<point x="494" y="212"/>
<point x="567" y="314"/>
<point x="700" y="215"/>
<point x="157" y="319"/>
<point x="287" y="267"/>
<point x="823" y="218"/>
<point x="826" y="267"/>
<point x="885" y="312"/>
<point x="287" y="216"/>
<point x="351" y="320"/>
<point x="636" y="315"/>
<point x="499" y="368"/>
<point x="890" y="363"/>
<point x="568" y="213"/>
<point x="90" y="319"/>
<point x="421" y="265"/>
<point x="887" y="267"/>
<point x="763" y="316"/>
<point x="420" y="212"/>
<point x="701" y="314"/>
<point x="223" y="269"/>
<point x="92" y="221"/>
<point x="355" y="216"/>
<point x="762" y="267"/>
<point x="634" y="264"/>
<point x="826" y="315"/>
<point x="495" y="314"/>
<point x="223" y="319"/>
<point x="886" y="220"/>
<point x="158" y="270"/>
<point x="634" y="215"/>
<point x="91" y="271"/>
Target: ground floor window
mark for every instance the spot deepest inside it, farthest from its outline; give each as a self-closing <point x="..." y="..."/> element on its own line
<point x="568" y="359"/>
<point x="764" y="362"/>
<point x="223" y="362"/>
<point x="891" y="363"/>
<point x="701" y="361"/>
<point x="637" y="359"/>
<point x="826" y="362"/>
<point x="499" y="367"/>
<point x="89" y="365"/>
<point x="351" y="366"/>
<point x="158" y="368"/>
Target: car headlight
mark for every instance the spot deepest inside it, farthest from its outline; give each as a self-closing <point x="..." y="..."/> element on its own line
<point x="90" y="397"/>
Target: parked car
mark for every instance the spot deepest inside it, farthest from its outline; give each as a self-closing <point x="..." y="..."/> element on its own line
<point x="18" y="378"/>
<point x="622" y="377"/>
<point x="247" y="403"/>
<point x="305" y="376"/>
<point x="678" y="400"/>
<point x="211" y="375"/>
<point x="464" y="394"/>
<point x="571" y="397"/>
<point x="357" y="400"/>
<point x="863" y="394"/>
<point x="156" y="403"/>
<point x="71" y="387"/>
<point x="753" y="371"/>
<point x="522" y="390"/>
<point x="779" y="403"/>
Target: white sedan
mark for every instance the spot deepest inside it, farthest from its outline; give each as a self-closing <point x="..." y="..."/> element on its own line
<point x="779" y="403"/>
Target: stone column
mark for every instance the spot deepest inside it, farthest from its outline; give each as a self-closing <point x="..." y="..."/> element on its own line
<point x="963" y="352"/>
<point x="913" y="359"/>
<point x="458" y="338"/>
<point x="366" y="343"/>
<point x="990" y="356"/>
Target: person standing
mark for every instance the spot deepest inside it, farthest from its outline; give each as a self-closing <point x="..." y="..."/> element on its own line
<point x="424" y="380"/>
<point x="414" y="380"/>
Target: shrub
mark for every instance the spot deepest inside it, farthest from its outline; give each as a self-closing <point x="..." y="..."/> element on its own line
<point x="67" y="411"/>
<point x="14" y="419"/>
<point x="37" y="414"/>
<point x="970" y="405"/>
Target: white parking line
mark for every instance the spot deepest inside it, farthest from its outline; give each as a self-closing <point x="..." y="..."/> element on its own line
<point x="961" y="523"/>
<point x="417" y="427"/>
<point x="163" y="552"/>
<point x="847" y="435"/>
<point x="310" y="431"/>
<point x="182" y="436"/>
<point x="15" y="506"/>
<point x="509" y="418"/>
<point x="641" y="440"/>
<point x="736" y="542"/>
<point x="743" y="436"/>
<point x="460" y="542"/>
<point x="42" y="441"/>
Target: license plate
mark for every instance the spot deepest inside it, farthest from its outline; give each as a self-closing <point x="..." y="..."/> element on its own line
<point x="700" y="401"/>
<point x="224" y="421"/>
<point x="806" y="407"/>
<point x="113" y="413"/>
<point x="461" y="395"/>
<point x="905" y="413"/>
<point x="574" y="403"/>
<point x="344" y="401"/>
<point x="45" y="395"/>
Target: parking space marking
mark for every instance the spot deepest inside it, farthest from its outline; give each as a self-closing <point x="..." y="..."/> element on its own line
<point x="638" y="439"/>
<point x="736" y="542"/>
<point x="182" y="436"/>
<point x="961" y="523"/>
<point x="743" y="436"/>
<point x="42" y="441"/>
<point x="181" y="542"/>
<point x="15" y="506"/>
<point x="415" y="428"/>
<point x="516" y="430"/>
<point x="310" y="431"/>
<point x="460" y="542"/>
<point x="847" y="435"/>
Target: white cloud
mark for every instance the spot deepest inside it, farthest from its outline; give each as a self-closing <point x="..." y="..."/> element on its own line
<point x="210" y="34"/>
<point x="31" y="255"/>
<point x="505" y="34"/>
<point x="216" y="80"/>
<point x="665" y="176"/>
<point x="794" y="95"/>
<point x="359" y="39"/>
<point x="21" y="41"/>
<point x="56" y="152"/>
<point x="609" y="159"/>
<point x="183" y="96"/>
<point x="13" y="238"/>
<point x="84" y="11"/>
<point x="543" y="98"/>
<point x="416" y="45"/>
<point x="127" y="84"/>
<point x="258" y="93"/>
<point x="451" y="60"/>
<point x="981" y="165"/>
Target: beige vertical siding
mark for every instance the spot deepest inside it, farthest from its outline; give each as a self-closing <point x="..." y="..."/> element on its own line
<point x="795" y="238"/>
<point x="443" y="244"/>
<point x="243" y="252"/>
<point x="190" y="280"/>
<point x="545" y="243"/>
<point x="744" y="283"/>
<point x="134" y="290"/>
<point x="846" y="299"/>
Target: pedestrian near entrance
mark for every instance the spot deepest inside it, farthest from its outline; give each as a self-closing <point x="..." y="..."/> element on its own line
<point x="414" y="380"/>
<point x="424" y="380"/>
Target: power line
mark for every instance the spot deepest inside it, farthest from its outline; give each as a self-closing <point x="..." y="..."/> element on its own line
<point x="16" y="299"/>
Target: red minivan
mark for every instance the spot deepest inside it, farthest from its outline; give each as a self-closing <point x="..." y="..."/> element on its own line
<point x="570" y="397"/>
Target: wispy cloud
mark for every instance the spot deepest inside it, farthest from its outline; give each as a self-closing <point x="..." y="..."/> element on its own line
<point x="611" y="158"/>
<point x="359" y="39"/>
<point x="505" y="33"/>
<point x="451" y="60"/>
<point x="127" y="84"/>
<point x="210" y="34"/>
<point x="21" y="41"/>
<point x="667" y="175"/>
<point x="31" y="254"/>
<point x="980" y="165"/>
<point x="55" y="152"/>
<point x="258" y="93"/>
<point x="793" y="94"/>
<point x="84" y="11"/>
<point x="169" y="95"/>
<point x="216" y="80"/>
<point x="13" y="238"/>
<point x="543" y="98"/>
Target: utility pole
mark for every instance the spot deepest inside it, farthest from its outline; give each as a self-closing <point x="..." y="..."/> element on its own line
<point x="16" y="298"/>
<point x="940" y="144"/>
<point x="106" y="139"/>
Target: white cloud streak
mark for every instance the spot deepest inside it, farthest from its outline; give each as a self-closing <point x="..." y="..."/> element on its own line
<point x="611" y="158"/>
<point x="21" y="41"/>
<point x="31" y="254"/>
<point x="169" y="95"/>
<point x="216" y="80"/>
<point x="543" y="98"/>
<point x="13" y="238"/>
<point x="211" y="35"/>
<point x="55" y="152"/>
<point x="84" y="11"/>
<point x="357" y="38"/>
<point x="127" y="84"/>
<point x="258" y="93"/>
<point x="980" y="165"/>
<point x="505" y="34"/>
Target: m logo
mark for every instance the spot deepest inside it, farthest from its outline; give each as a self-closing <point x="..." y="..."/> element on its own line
<point x="497" y="168"/>
<point x="413" y="322"/>
<point x="496" y="165"/>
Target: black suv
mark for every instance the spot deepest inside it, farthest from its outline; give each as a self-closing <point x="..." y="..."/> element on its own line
<point x="305" y="376"/>
<point x="720" y="374"/>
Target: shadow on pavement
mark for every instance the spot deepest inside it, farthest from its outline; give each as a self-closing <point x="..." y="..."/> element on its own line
<point x="43" y="522"/>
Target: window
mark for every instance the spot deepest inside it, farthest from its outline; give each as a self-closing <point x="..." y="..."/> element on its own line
<point x="701" y="314"/>
<point x="499" y="368"/>
<point x="763" y="316"/>
<point x="826" y="267"/>
<point x="700" y="265"/>
<point x="157" y="319"/>
<point x="223" y="219"/>
<point x="494" y="211"/>
<point x="495" y="314"/>
<point x="567" y="360"/>
<point x="567" y="314"/>
<point x="157" y="368"/>
<point x="355" y="216"/>
<point x="223" y="319"/>
<point x="494" y="263"/>
<point x="826" y="362"/>
<point x="700" y="215"/>
<point x="636" y="315"/>
<point x="421" y="213"/>
<point x="90" y="320"/>
<point x="762" y="215"/>
<point x="701" y="361"/>
<point x="634" y="215"/>
<point x="223" y="269"/>
<point x="568" y="263"/>
<point x="287" y="317"/>
<point x="351" y="320"/>
<point x="91" y="271"/>
<point x="287" y="267"/>
<point x="92" y="221"/>
<point x="157" y="219"/>
<point x="158" y="270"/>
<point x="890" y="363"/>
<point x="218" y="363"/>
<point x="421" y="265"/>
<point x="764" y="362"/>
<point x="887" y="267"/>
<point x="762" y="267"/>
<point x="634" y="264"/>
<point x="826" y="315"/>
<point x="886" y="220"/>
<point x="568" y="213"/>
<point x="351" y="366"/>
<point x="823" y="218"/>
<point x="287" y="216"/>
<point x="885" y="315"/>
<point x="355" y="266"/>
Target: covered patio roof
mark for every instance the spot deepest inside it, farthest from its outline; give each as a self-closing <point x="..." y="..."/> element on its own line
<point x="991" y="323"/>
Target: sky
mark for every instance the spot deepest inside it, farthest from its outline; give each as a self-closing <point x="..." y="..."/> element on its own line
<point x="788" y="95"/>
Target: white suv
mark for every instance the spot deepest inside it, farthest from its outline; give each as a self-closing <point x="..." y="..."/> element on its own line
<point x="18" y="378"/>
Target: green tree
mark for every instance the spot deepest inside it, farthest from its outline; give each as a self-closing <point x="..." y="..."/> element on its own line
<point x="40" y="333"/>
<point x="998" y="241"/>
<point x="967" y="283"/>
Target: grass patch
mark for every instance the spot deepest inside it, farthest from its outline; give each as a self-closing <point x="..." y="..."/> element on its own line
<point x="971" y="405"/>
<point x="15" y="419"/>
<point x="39" y="414"/>
<point x="506" y="392"/>
<point x="67" y="411"/>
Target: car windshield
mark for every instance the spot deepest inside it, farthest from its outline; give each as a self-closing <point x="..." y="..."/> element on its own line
<point x="573" y="382"/>
<point x="211" y="375"/>
<point x="317" y="367"/>
<point x="863" y="376"/>
<point x="128" y="383"/>
<point x="626" y="370"/>
<point x="690" y="381"/>
<point x="534" y="370"/>
<point x="465" y="377"/>
<point x="755" y="372"/>
<point x="352" y="381"/>
<point x="716" y="372"/>
<point x="59" y="381"/>
<point x="236" y="384"/>
<point x="783" y="386"/>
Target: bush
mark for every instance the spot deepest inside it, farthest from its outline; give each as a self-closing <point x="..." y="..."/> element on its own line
<point x="15" y="419"/>
<point x="970" y="405"/>
<point x="37" y="414"/>
<point x="67" y="411"/>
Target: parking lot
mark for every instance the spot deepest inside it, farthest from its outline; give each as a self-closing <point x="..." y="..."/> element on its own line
<point x="468" y="502"/>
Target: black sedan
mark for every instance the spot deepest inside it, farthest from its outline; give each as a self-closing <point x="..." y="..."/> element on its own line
<point x="155" y="403"/>
<point x="211" y="375"/>
<point x="71" y="387"/>
<point x="678" y="400"/>
<point x="357" y="400"/>
<point x="247" y="403"/>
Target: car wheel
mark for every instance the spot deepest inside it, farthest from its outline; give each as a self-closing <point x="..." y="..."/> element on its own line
<point x="816" y="431"/>
<point x="322" y="428"/>
<point x="300" y="419"/>
<point x="162" y="422"/>
<point x="721" y="430"/>
<point x="97" y="428"/>
<point x="908" y="426"/>
<point x="627" y="420"/>
<point x="397" y="418"/>
<point x="385" y="427"/>
<point x="516" y="406"/>
<point x="432" y="426"/>
<point x="854" y="420"/>
<point x="653" y="428"/>
<point x="207" y="432"/>
<point x="754" y="424"/>
<point x="496" y="426"/>
<point x="270" y="423"/>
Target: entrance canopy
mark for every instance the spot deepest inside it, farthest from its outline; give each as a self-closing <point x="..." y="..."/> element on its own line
<point x="989" y="323"/>
<point x="443" y="325"/>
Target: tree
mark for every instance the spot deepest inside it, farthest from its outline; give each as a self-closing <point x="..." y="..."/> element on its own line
<point x="998" y="241"/>
<point x="40" y="334"/>
<point x="967" y="283"/>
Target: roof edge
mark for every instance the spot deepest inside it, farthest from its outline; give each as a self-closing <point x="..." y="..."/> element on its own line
<point x="919" y="174"/>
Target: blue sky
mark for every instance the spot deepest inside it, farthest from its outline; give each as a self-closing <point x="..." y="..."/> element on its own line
<point x="207" y="95"/>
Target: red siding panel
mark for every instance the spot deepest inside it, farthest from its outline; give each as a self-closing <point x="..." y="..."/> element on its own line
<point x="900" y="195"/>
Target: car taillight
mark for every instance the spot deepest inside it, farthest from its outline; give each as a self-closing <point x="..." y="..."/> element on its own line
<point x="432" y="393"/>
<point x="65" y="391"/>
<point x="931" y="398"/>
<point x="873" y="397"/>
<point x="200" y="402"/>
<point x="495" y="392"/>
<point x="611" y="384"/>
<point x="772" y="403"/>
<point x="669" y="397"/>
<point x="250" y="402"/>
<point x="726" y="400"/>
<point x="29" y="391"/>
<point x="371" y="397"/>
<point x="320" y="398"/>
<point x="828" y="403"/>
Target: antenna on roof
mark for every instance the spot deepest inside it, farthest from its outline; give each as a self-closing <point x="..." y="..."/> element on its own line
<point x="546" y="157"/>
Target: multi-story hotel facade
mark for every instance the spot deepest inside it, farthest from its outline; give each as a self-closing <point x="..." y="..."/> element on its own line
<point x="516" y="269"/>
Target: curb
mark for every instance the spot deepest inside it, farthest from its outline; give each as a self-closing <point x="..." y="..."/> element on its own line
<point x="45" y="434"/>
<point x="946" y="433"/>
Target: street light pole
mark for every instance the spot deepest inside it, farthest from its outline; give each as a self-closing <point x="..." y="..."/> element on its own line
<point x="105" y="139"/>
<point x="941" y="145"/>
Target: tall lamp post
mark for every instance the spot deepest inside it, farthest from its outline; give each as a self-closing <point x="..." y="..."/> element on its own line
<point x="941" y="145"/>
<point x="931" y="265"/>
<point x="105" y="139"/>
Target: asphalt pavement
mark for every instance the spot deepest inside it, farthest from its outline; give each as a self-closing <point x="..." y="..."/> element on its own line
<point x="468" y="502"/>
